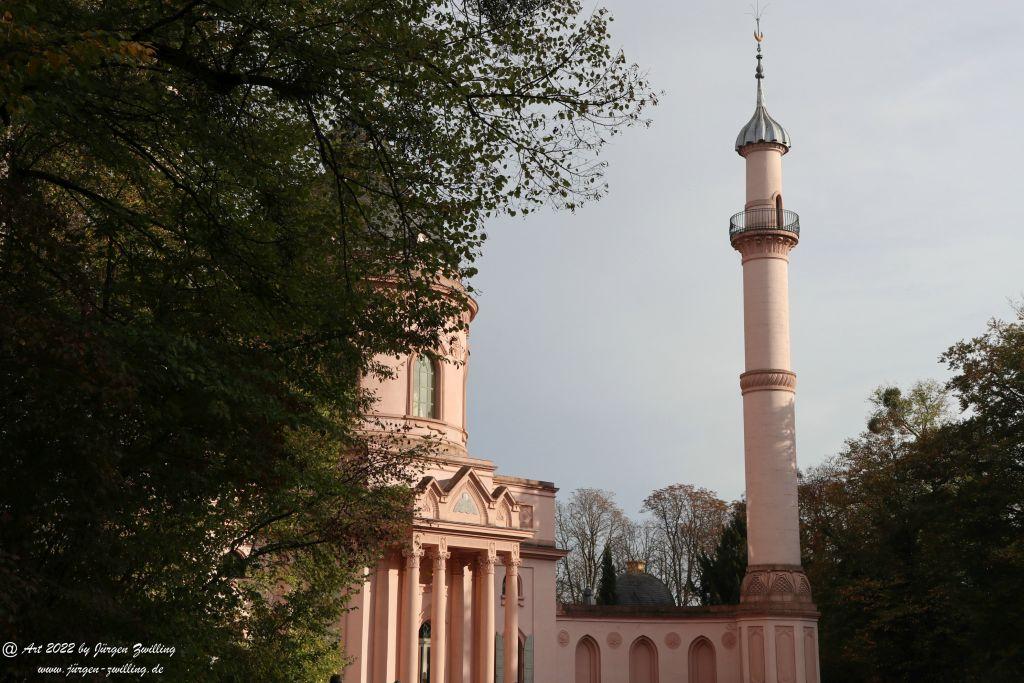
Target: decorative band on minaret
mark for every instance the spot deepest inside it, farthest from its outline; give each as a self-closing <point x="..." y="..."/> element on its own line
<point x="765" y="233"/>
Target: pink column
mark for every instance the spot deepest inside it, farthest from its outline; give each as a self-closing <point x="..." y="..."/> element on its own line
<point x="438" y="633"/>
<point x="410" y="638"/>
<point x="486" y="650"/>
<point x="457" y="609"/>
<point x="512" y="563"/>
<point x="386" y="631"/>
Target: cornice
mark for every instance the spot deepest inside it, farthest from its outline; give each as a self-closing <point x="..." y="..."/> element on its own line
<point x="770" y="379"/>
<point x="754" y="244"/>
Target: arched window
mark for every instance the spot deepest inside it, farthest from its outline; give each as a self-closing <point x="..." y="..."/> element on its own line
<point x="588" y="661"/>
<point x="702" y="662"/>
<point x="425" y="652"/>
<point x="519" y="584"/>
<point x="425" y="387"/>
<point x="780" y="219"/>
<point x="643" y="661"/>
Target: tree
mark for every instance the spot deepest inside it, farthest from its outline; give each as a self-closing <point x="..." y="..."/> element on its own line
<point x="720" y="572"/>
<point x="862" y="517"/>
<point x="606" y="594"/>
<point x="912" y="534"/>
<point x="214" y="217"/>
<point x="589" y="519"/>
<point x="639" y="540"/>
<point x="690" y="520"/>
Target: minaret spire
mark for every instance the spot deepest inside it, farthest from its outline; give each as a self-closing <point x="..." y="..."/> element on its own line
<point x="759" y="72"/>
<point x="761" y="127"/>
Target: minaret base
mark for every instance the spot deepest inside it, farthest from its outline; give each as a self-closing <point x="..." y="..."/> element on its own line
<point x="773" y="584"/>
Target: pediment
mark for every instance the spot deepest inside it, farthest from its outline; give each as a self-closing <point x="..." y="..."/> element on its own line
<point x="468" y="499"/>
<point x="429" y="498"/>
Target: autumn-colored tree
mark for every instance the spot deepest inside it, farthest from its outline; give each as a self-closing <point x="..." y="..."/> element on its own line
<point x="213" y="216"/>
<point x="689" y="521"/>
<point x="587" y="522"/>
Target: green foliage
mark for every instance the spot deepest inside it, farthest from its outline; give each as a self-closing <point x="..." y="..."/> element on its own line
<point x="214" y="219"/>
<point x="913" y="534"/>
<point x="720" y="573"/>
<point x="606" y="593"/>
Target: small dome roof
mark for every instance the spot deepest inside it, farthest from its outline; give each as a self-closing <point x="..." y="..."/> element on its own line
<point x="762" y="127"/>
<point x="636" y="587"/>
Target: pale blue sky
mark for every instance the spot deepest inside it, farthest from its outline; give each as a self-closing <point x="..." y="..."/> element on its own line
<point x="609" y="341"/>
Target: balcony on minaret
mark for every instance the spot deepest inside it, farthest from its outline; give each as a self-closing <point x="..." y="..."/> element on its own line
<point x="765" y="219"/>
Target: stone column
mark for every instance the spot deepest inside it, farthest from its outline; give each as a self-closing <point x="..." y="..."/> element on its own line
<point x="486" y="651"/>
<point x="512" y="563"/>
<point x="438" y="633"/>
<point x="410" y="638"/>
<point x="386" y="631"/>
<point x="458" y="606"/>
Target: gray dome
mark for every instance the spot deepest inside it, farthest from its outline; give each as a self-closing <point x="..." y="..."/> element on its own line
<point x="634" y="587"/>
<point x="762" y="127"/>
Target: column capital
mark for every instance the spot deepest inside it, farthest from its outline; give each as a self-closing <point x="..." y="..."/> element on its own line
<point x="441" y="554"/>
<point x="512" y="561"/>
<point x="487" y="560"/>
<point x="413" y="552"/>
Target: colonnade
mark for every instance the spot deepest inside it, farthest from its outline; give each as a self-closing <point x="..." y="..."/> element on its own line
<point x="461" y="613"/>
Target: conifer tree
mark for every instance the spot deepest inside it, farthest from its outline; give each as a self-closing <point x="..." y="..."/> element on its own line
<point x="721" y="572"/>
<point x="606" y="593"/>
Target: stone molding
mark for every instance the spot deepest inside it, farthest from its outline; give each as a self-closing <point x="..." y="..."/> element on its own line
<point x="754" y="244"/>
<point x="759" y="146"/>
<point x="769" y="379"/>
<point x="774" y="584"/>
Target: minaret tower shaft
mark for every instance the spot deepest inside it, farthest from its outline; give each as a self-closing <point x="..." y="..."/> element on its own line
<point x="778" y="620"/>
<point x="765" y="233"/>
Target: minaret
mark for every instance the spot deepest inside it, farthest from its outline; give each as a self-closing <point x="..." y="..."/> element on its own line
<point x="775" y="587"/>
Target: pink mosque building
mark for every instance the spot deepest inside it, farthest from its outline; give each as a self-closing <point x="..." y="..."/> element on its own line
<point x="470" y="596"/>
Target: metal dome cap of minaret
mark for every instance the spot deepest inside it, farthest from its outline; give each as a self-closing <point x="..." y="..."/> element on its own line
<point x="761" y="127"/>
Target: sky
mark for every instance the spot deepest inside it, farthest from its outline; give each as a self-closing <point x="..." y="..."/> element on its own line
<point x="609" y="341"/>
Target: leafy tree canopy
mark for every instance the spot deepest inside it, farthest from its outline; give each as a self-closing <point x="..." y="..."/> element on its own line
<point x="214" y="217"/>
<point x="913" y="534"/>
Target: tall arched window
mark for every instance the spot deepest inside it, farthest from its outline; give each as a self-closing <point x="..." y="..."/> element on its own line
<point x="519" y="585"/>
<point x="780" y="218"/>
<point x="588" y="661"/>
<point x="425" y="388"/>
<point x="702" y="662"/>
<point x="643" y="661"/>
<point x="425" y="653"/>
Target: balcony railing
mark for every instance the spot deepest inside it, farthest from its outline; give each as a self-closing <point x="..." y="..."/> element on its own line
<point x="765" y="218"/>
